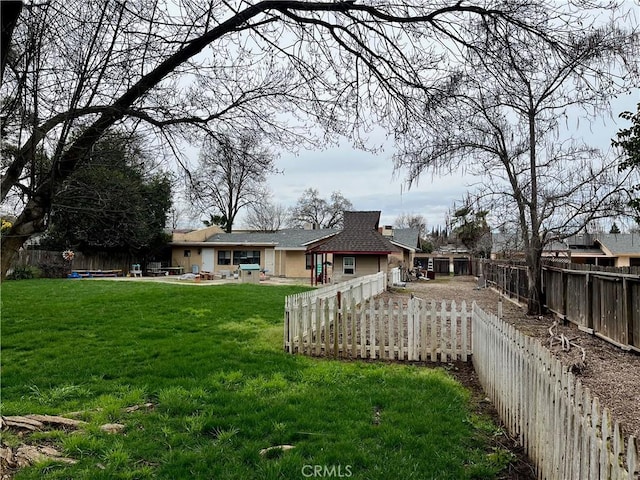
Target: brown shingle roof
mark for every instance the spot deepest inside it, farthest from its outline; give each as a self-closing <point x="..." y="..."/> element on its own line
<point x="360" y="235"/>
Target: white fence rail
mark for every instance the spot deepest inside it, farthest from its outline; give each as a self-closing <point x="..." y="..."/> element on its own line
<point x="302" y="304"/>
<point x="362" y="288"/>
<point x="560" y="424"/>
<point x="565" y="432"/>
<point x="343" y="326"/>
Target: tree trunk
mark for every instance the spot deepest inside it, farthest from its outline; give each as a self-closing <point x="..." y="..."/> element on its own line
<point x="30" y="222"/>
<point x="10" y="10"/>
<point x="10" y="247"/>
<point x="535" y="300"/>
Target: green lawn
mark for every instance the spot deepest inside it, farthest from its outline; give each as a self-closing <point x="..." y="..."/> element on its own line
<point x="210" y="360"/>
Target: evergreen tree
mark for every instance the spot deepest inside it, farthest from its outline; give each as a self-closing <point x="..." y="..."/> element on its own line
<point x="113" y="202"/>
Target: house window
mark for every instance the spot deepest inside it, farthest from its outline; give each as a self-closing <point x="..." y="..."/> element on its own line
<point x="241" y="257"/>
<point x="187" y="253"/>
<point x="308" y="260"/>
<point x="349" y="265"/>
<point x="224" y="257"/>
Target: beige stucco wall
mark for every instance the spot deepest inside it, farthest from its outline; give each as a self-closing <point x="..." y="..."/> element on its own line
<point x="365" y="265"/>
<point x="295" y="264"/>
<point x="401" y="259"/>
<point x="179" y="260"/>
<point x="623" y="261"/>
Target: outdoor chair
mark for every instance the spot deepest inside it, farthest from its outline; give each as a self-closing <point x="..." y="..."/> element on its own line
<point x="136" y="271"/>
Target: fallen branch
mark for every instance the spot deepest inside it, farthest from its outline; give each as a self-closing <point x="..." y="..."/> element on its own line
<point x="566" y="343"/>
<point x="35" y="422"/>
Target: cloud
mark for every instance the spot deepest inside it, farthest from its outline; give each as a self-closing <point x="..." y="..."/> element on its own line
<point x="368" y="181"/>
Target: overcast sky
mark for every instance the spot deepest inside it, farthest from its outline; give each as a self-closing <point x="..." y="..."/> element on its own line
<point x="368" y="180"/>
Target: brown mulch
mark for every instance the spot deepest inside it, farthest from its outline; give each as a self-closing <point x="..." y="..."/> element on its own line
<point x="612" y="374"/>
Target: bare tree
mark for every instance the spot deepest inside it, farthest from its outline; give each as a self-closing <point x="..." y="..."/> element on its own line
<point x="314" y="210"/>
<point x="75" y="69"/>
<point x="266" y="216"/>
<point x="231" y="175"/>
<point x="412" y="220"/>
<point x="502" y="122"/>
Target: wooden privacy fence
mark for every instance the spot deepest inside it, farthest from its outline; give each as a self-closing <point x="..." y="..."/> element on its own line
<point x="509" y="279"/>
<point x="603" y="301"/>
<point x="378" y="328"/>
<point x="560" y="424"/>
<point x="53" y="260"/>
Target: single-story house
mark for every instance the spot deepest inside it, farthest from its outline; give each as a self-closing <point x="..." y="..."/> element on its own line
<point x="290" y="252"/>
<point x="407" y="240"/>
<point x="604" y="249"/>
<point x="281" y="253"/>
<point x="359" y="249"/>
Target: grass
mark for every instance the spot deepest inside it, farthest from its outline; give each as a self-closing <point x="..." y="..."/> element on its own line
<point x="210" y="360"/>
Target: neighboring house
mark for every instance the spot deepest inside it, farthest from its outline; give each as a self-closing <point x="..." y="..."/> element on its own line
<point x="506" y="246"/>
<point x="281" y="253"/>
<point x="604" y="249"/>
<point x="358" y="250"/>
<point x="407" y="240"/>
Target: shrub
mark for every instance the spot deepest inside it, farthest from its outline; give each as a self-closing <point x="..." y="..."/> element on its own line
<point x="24" y="272"/>
<point x="53" y="270"/>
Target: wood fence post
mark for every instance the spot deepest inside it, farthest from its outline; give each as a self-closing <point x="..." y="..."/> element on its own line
<point x="336" y="324"/>
<point x="410" y="327"/>
<point x="464" y="325"/>
<point x="355" y="314"/>
<point x="329" y="303"/>
<point x="589" y="300"/>
<point x="564" y="282"/>
<point x="286" y="339"/>
<point x="627" y="312"/>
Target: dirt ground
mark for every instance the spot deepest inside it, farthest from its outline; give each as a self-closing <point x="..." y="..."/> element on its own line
<point x="610" y="373"/>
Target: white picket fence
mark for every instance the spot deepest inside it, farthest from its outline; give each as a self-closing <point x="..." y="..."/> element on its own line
<point x="565" y="432"/>
<point x="395" y="275"/>
<point x="562" y="427"/>
<point x="412" y="330"/>
<point x="361" y="288"/>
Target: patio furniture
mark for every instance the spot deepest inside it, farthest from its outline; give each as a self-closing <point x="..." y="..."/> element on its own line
<point x="136" y="271"/>
<point x="154" y="268"/>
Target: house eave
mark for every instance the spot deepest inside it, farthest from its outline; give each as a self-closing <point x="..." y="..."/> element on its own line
<point x="189" y="244"/>
<point x="221" y="244"/>
<point x="319" y="239"/>
<point x="404" y="247"/>
<point x="351" y="252"/>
